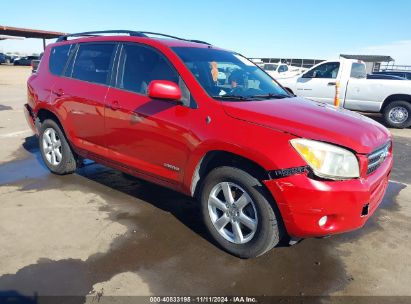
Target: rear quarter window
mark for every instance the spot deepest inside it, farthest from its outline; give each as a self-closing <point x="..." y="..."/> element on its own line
<point x="58" y="58"/>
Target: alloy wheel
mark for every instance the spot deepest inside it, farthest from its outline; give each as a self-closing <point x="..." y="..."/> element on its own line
<point x="232" y="212"/>
<point x="52" y="147"/>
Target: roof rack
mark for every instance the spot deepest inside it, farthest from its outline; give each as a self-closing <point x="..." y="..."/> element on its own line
<point x="174" y="37"/>
<point x="130" y="33"/>
<point x="96" y="33"/>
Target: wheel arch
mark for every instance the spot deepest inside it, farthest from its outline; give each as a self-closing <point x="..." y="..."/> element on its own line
<point x="42" y="114"/>
<point x="217" y="158"/>
<point x="395" y="97"/>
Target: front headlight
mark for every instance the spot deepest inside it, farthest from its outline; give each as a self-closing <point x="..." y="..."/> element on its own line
<point x="326" y="160"/>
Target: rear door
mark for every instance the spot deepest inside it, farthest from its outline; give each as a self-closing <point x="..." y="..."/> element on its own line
<point x="363" y="94"/>
<point x="319" y="83"/>
<point x="81" y="92"/>
<point x="150" y="136"/>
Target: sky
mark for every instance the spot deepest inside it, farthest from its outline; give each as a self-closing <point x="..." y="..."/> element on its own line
<point x="320" y="29"/>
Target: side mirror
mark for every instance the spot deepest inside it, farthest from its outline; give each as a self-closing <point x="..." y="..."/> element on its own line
<point x="164" y="89"/>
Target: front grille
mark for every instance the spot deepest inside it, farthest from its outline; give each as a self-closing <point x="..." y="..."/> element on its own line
<point x="376" y="158"/>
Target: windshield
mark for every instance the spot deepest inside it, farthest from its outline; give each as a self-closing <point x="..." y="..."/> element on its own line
<point x="229" y="76"/>
<point x="270" y="67"/>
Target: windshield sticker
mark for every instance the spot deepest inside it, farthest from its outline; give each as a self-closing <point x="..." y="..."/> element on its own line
<point x="214" y="71"/>
<point x="222" y="93"/>
<point x="244" y="60"/>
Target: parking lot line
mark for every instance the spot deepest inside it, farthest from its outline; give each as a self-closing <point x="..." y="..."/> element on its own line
<point x="15" y="134"/>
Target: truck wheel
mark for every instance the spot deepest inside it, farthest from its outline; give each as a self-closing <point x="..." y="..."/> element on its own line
<point x="55" y="150"/>
<point x="237" y="213"/>
<point x="397" y="114"/>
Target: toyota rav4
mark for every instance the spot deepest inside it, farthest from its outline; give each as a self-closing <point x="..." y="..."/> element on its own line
<point x="209" y="123"/>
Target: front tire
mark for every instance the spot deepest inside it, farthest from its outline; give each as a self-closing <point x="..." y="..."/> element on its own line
<point x="397" y="114"/>
<point x="55" y="150"/>
<point x="237" y="213"/>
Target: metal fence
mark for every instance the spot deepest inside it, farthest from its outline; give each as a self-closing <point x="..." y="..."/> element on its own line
<point x="395" y="67"/>
<point x="296" y="62"/>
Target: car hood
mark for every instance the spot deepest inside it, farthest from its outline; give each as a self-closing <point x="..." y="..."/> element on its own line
<point x="309" y="119"/>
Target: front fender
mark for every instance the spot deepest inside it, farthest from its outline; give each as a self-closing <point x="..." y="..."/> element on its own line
<point x="285" y="157"/>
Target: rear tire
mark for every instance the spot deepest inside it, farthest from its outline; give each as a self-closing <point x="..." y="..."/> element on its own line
<point x="55" y="149"/>
<point x="397" y="114"/>
<point x="248" y="226"/>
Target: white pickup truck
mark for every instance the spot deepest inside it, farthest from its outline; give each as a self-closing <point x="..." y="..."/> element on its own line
<point x="390" y="97"/>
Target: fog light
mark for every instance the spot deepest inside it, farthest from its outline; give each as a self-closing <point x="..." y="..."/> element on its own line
<point x="323" y="221"/>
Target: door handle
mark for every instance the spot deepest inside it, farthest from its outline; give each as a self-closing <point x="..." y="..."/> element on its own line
<point x="332" y="83"/>
<point x="58" y="92"/>
<point x="114" y="105"/>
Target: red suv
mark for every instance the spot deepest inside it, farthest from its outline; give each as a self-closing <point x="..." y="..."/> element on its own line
<point x="211" y="124"/>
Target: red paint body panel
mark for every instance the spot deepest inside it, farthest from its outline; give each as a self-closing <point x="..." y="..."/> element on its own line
<point x="144" y="136"/>
<point x="314" y="120"/>
<point x="81" y="105"/>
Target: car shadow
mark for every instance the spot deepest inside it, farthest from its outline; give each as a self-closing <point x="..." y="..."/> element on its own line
<point x="12" y="296"/>
<point x="184" y="208"/>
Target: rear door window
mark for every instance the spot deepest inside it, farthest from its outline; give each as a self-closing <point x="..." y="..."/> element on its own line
<point x="58" y="58"/>
<point x="93" y="62"/>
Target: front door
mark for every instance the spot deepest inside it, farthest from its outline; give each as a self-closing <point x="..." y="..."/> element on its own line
<point x="318" y="84"/>
<point x="150" y="136"/>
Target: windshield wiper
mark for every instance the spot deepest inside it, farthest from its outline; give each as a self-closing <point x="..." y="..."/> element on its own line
<point x="251" y="97"/>
<point x="232" y="97"/>
<point x="271" y="96"/>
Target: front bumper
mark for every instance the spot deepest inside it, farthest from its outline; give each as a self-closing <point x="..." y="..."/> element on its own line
<point x="303" y="201"/>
